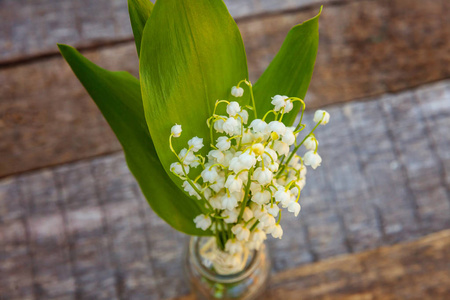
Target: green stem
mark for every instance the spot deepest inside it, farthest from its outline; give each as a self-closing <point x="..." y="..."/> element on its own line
<point x="247" y="188"/>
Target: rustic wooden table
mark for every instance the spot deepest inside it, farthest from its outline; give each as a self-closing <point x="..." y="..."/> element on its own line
<point x="74" y="225"/>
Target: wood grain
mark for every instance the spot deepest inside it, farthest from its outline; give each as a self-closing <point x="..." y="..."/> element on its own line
<point x="366" y="48"/>
<point x="415" y="270"/>
<point x="67" y="230"/>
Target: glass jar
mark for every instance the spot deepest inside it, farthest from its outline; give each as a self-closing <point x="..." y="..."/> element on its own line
<point x="206" y="284"/>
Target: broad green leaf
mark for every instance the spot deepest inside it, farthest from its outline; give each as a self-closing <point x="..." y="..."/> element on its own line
<point x="291" y="70"/>
<point x="117" y="94"/>
<point x="191" y="55"/>
<point x="140" y="11"/>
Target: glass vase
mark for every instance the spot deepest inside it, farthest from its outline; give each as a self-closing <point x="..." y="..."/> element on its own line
<point x="248" y="284"/>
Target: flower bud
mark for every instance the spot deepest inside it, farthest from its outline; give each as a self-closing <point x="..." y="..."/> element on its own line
<point x="176" y="130"/>
<point x="321" y="115"/>
<point x="237" y="91"/>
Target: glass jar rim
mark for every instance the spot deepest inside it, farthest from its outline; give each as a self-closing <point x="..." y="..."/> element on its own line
<point x="248" y="270"/>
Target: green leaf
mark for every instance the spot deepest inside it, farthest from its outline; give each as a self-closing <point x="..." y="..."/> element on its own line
<point x="191" y="55"/>
<point x="117" y="94"/>
<point x="140" y="11"/>
<point x="291" y="70"/>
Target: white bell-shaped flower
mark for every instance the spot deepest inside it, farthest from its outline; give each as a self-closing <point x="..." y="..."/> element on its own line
<point x="189" y="189"/>
<point x="281" y="148"/>
<point x="310" y="143"/>
<point x="219" y="184"/>
<point x="288" y="137"/>
<point x="282" y="196"/>
<point x="177" y="169"/>
<point x="277" y="127"/>
<point x="269" y="156"/>
<point x="218" y="125"/>
<point x="237" y="91"/>
<point x="223" y="143"/>
<point x="216" y="156"/>
<point x="255" y="187"/>
<point x="273" y="167"/>
<point x="258" y="210"/>
<point x="262" y="176"/>
<point x="242" y="233"/>
<point x="176" y="130"/>
<point x="294" y="207"/>
<point x="247" y="160"/>
<point x="273" y="209"/>
<point x="289" y="106"/>
<point x="247" y="215"/>
<point x="216" y="201"/>
<point x="258" y="125"/>
<point x="321" y="115"/>
<point x="233" y="183"/>
<point x="244" y="115"/>
<point x="312" y="159"/>
<point x="247" y="138"/>
<point x="276" y="231"/>
<point x="196" y="143"/>
<point x="186" y="156"/>
<point x="233" y="108"/>
<point x="233" y="246"/>
<point x="256" y="239"/>
<point x="230" y="216"/>
<point x="229" y="201"/>
<point x="232" y="126"/>
<point x="202" y="221"/>
<point x="279" y="102"/>
<point x="261" y="197"/>
<point x="210" y="174"/>
<point x="268" y="220"/>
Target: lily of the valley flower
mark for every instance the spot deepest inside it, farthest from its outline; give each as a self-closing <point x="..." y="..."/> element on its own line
<point x="312" y="159"/>
<point x="176" y="130"/>
<point x="321" y="115"/>
<point x="202" y="221"/>
<point x="237" y="91"/>
<point x="196" y="143"/>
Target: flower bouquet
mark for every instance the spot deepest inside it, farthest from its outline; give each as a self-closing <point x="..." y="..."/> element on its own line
<point x="214" y="155"/>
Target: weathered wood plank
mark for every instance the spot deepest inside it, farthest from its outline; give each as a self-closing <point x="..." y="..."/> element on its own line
<point x="46" y="118"/>
<point x="32" y="28"/>
<point x="74" y="228"/>
<point x="92" y="267"/>
<point x="414" y="270"/>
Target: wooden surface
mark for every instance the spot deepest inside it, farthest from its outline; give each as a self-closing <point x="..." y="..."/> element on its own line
<point x="83" y="231"/>
<point x="366" y="48"/>
<point x="415" y="270"/>
<point x="77" y="227"/>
